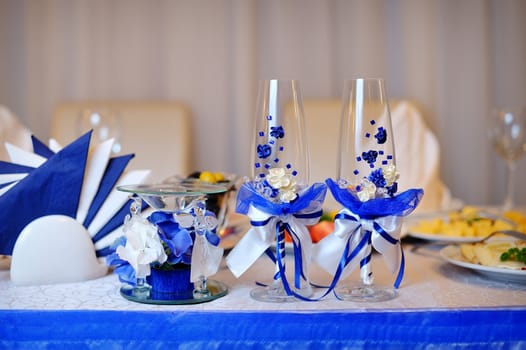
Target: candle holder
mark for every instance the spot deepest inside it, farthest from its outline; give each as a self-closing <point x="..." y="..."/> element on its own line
<point x="173" y="236"/>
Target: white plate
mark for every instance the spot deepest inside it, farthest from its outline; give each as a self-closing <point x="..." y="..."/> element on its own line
<point x="452" y="254"/>
<point x="434" y="237"/>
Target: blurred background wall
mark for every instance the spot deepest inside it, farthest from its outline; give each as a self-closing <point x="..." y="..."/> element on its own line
<point x="455" y="59"/>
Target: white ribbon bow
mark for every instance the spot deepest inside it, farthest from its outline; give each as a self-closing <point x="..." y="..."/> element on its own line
<point x="262" y="233"/>
<point x="328" y="253"/>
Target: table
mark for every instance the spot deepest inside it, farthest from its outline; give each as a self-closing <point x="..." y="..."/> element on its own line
<point x="439" y="306"/>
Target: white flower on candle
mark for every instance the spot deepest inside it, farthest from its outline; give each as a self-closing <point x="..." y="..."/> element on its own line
<point x="390" y="174"/>
<point x="143" y="245"/>
<point x="367" y="190"/>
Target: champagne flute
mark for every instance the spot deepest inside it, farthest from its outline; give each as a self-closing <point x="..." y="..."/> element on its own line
<point x="507" y="133"/>
<point x="279" y="145"/>
<point x="366" y="150"/>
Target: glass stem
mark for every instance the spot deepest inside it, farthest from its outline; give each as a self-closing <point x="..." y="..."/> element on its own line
<point x="201" y="289"/>
<point x="142" y="289"/>
<point x="508" y="200"/>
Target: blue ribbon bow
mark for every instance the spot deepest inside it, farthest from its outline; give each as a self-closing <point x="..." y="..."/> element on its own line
<point x="363" y="225"/>
<point x="269" y="222"/>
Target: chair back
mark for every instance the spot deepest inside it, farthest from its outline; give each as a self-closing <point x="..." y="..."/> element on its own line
<point x="157" y="132"/>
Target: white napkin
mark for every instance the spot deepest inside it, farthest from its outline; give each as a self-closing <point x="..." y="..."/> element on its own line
<point x="418" y="157"/>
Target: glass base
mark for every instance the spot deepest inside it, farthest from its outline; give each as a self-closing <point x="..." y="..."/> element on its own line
<point x="275" y="293"/>
<point x="141" y="292"/>
<point x="362" y="292"/>
<point x="201" y="290"/>
<point x="217" y="290"/>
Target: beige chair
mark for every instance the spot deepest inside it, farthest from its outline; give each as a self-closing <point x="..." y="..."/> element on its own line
<point x="12" y="131"/>
<point x="417" y="149"/>
<point x="157" y="132"/>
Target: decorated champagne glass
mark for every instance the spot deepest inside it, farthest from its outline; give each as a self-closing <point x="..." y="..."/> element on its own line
<point x="277" y="197"/>
<point x="366" y="186"/>
<point x="507" y="133"/>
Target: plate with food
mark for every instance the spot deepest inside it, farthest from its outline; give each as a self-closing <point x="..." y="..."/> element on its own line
<point x="502" y="259"/>
<point x="467" y="224"/>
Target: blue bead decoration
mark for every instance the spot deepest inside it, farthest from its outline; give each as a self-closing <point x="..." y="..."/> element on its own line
<point x="377" y="177"/>
<point x="276" y="160"/>
<point x="281" y="148"/>
<point x="358" y="159"/>
<point x="257" y="165"/>
<point x="267" y="166"/>
<point x="277" y="132"/>
<point x="272" y="142"/>
<point x="391" y="190"/>
<point x="294" y="173"/>
<point x="370" y="156"/>
<point x="356" y="172"/>
<point x="261" y="133"/>
<point x="261" y="175"/>
<point x="371" y="165"/>
<point x="380" y="152"/>
<point x="269" y="117"/>
<point x="288" y="166"/>
<point x="381" y="135"/>
<point x="389" y="157"/>
<point x="367" y="135"/>
<point x="384" y="162"/>
<point x="373" y="122"/>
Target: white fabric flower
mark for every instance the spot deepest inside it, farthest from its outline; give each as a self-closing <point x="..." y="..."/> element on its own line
<point x="278" y="178"/>
<point x="287" y="196"/>
<point x="390" y="174"/>
<point x="367" y="190"/>
<point x="143" y="245"/>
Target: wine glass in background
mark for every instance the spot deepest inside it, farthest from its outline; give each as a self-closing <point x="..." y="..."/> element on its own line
<point x="366" y="148"/>
<point x="105" y="123"/>
<point x="507" y="133"/>
<point x="280" y="144"/>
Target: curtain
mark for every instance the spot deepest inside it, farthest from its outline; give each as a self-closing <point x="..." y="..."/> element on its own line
<point x="455" y="59"/>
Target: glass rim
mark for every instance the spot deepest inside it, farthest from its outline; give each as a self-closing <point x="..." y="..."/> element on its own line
<point x="173" y="189"/>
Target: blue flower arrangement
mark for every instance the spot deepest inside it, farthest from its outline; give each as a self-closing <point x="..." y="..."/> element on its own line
<point x="176" y="233"/>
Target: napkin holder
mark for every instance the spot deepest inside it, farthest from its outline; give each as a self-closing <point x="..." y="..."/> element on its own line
<point x="54" y="249"/>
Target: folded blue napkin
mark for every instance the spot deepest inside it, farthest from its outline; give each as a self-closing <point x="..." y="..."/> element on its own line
<point x="55" y="188"/>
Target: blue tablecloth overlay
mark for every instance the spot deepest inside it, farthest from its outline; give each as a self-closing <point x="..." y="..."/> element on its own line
<point x="471" y="329"/>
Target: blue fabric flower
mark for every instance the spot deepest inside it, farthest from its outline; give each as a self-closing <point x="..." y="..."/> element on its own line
<point x="277" y="132"/>
<point x="370" y="156"/>
<point x="381" y="135"/>
<point x="377" y="178"/>
<point x="264" y="151"/>
<point x="178" y="240"/>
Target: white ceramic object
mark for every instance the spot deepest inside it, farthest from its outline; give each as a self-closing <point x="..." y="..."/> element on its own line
<point x="54" y="249"/>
